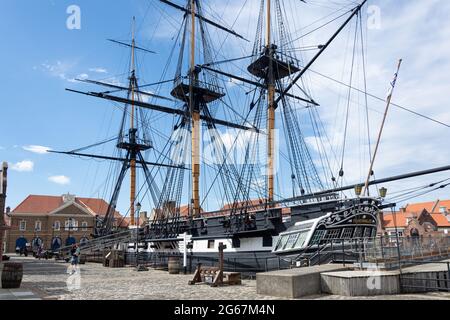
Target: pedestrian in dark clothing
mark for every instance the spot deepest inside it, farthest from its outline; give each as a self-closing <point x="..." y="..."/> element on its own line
<point x="75" y="257"/>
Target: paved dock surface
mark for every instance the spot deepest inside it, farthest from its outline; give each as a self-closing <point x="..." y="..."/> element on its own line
<point x="49" y="280"/>
<point x="18" y="294"/>
<point x="430" y="267"/>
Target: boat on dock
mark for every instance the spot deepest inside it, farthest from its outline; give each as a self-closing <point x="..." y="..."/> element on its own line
<point x="260" y="225"/>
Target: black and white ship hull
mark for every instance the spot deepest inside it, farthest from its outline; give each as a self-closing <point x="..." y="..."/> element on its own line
<point x="268" y="240"/>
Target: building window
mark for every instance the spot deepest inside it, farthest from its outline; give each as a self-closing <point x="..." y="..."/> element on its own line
<point x="301" y="239"/>
<point x="333" y="234"/>
<point x="291" y="241"/>
<point x="358" y="232"/>
<point x="318" y="236"/>
<point x="57" y="226"/>
<point x="392" y="234"/>
<point x="23" y="225"/>
<point x="71" y="225"/>
<point x="84" y="225"/>
<point x="281" y="243"/>
<point x="37" y="226"/>
<point x="374" y="233"/>
<point x="211" y="244"/>
<point x="347" y="233"/>
<point x="367" y="232"/>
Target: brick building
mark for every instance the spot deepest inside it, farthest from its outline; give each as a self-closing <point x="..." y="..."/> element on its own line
<point x="420" y="219"/>
<point x="55" y="221"/>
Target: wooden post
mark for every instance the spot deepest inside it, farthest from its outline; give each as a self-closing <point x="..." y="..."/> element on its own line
<point x="219" y="276"/>
<point x="3" y="183"/>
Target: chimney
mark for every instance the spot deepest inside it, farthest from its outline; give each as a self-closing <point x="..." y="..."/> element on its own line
<point x="435" y="206"/>
<point x="403" y="210"/>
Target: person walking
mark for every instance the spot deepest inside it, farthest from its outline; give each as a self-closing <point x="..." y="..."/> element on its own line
<point x="75" y="257"/>
<point x="39" y="252"/>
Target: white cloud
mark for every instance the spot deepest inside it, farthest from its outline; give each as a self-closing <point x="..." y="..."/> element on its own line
<point x="58" y="69"/>
<point x="36" y="149"/>
<point x="98" y="70"/>
<point x="23" y="166"/>
<point x="83" y="76"/>
<point x="62" y="180"/>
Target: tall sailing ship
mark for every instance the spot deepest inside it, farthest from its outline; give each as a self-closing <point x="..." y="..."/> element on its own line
<point x="236" y="176"/>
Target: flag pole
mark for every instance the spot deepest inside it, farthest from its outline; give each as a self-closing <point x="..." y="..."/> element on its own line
<point x="388" y="103"/>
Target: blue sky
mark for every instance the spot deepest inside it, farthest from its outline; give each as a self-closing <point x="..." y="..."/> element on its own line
<point x="40" y="57"/>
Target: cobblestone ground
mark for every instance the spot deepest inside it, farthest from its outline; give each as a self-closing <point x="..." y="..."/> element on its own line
<point x="50" y="280"/>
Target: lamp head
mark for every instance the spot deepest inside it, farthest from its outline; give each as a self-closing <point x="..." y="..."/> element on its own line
<point x="383" y="192"/>
<point x="358" y="190"/>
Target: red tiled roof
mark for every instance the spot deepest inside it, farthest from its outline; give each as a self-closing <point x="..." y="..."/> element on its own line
<point x="39" y="204"/>
<point x="36" y="204"/>
<point x="99" y="206"/>
<point x="184" y="211"/>
<point x="432" y="206"/>
<point x="401" y="218"/>
<point x="441" y="220"/>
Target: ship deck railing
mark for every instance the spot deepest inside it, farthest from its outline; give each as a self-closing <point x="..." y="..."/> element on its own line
<point x="389" y="251"/>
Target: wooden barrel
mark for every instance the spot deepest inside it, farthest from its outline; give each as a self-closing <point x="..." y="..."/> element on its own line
<point x="174" y="265"/>
<point x="12" y="275"/>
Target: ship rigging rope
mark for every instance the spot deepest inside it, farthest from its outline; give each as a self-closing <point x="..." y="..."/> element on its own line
<point x="430" y="185"/>
<point x="381" y="99"/>
<point x="402" y="193"/>
<point x="443" y="186"/>
<point x="366" y="100"/>
<point x="320" y="27"/>
<point x="341" y="173"/>
<point x="94" y="145"/>
<point x="211" y="166"/>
